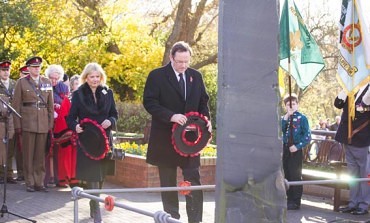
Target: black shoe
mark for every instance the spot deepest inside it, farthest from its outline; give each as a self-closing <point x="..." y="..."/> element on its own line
<point x="360" y="211"/>
<point x="20" y="178"/>
<point x="293" y="207"/>
<point x="30" y="189"/>
<point x="346" y="209"/>
<point x="41" y="189"/>
<point x="11" y="180"/>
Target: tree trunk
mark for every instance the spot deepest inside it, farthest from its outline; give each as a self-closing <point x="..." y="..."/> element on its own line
<point x="185" y="27"/>
<point x="99" y="24"/>
<point x="249" y="180"/>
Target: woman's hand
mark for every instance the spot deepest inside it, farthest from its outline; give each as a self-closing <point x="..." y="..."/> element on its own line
<point x="56" y="106"/>
<point x="106" y="123"/>
<point x="79" y="129"/>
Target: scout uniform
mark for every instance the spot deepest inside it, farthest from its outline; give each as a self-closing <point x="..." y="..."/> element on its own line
<point x="296" y="131"/>
<point x="33" y="100"/>
<point x="6" y="93"/>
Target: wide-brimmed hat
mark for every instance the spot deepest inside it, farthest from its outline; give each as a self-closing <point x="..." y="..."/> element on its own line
<point x="93" y="140"/>
<point x="189" y="139"/>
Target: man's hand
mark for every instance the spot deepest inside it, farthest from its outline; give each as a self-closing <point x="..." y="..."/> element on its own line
<point x="293" y="149"/>
<point x="106" y="123"/>
<point x="209" y="125"/>
<point x="179" y="118"/>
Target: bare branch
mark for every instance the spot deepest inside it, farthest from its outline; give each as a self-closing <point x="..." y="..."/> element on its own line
<point x="210" y="60"/>
<point x="200" y="34"/>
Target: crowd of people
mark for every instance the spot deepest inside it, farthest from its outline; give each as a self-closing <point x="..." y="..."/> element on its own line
<point x="40" y="117"/>
<point x="327" y="125"/>
<point x="57" y="113"/>
<point x="53" y="138"/>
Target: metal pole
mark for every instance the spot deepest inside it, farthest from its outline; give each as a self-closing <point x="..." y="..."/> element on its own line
<point x="308" y="182"/>
<point x="159" y="216"/>
<point x="151" y="189"/>
<point x="75" y="210"/>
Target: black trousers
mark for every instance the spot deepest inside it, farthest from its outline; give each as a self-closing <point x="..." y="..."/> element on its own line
<point x="170" y="200"/>
<point x="292" y="165"/>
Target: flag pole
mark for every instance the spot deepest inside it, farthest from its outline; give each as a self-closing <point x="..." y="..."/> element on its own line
<point x="290" y="126"/>
<point x="351" y="95"/>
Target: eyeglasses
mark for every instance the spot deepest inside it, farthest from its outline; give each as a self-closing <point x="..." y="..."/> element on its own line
<point x="181" y="62"/>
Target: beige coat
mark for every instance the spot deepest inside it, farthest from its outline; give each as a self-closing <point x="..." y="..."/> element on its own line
<point x="34" y="119"/>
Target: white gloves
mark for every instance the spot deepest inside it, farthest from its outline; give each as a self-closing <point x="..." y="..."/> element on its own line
<point x="366" y="97"/>
<point x="342" y="95"/>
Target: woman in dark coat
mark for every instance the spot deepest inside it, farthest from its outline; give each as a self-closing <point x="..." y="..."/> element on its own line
<point x="92" y="100"/>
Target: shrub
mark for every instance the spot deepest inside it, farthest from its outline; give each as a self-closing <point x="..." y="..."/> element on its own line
<point x="132" y="117"/>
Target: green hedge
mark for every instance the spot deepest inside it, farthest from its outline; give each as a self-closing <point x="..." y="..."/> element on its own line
<point x="132" y="117"/>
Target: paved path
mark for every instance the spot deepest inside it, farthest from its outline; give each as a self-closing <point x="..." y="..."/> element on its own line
<point x="57" y="206"/>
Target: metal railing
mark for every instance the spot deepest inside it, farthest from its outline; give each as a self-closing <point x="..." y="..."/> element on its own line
<point x="158" y="216"/>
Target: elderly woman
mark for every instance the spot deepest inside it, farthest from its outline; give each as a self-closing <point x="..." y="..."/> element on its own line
<point x="54" y="73"/>
<point x="74" y="83"/>
<point x="61" y="152"/>
<point x="94" y="101"/>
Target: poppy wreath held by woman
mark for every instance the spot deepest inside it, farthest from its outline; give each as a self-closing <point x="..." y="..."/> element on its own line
<point x="93" y="140"/>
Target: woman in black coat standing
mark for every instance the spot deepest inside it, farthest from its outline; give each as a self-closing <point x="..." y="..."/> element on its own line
<point x="94" y="101"/>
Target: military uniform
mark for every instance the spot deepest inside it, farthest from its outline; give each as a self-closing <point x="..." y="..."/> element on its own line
<point x="6" y="93"/>
<point x="33" y="99"/>
<point x="23" y="71"/>
<point x="3" y="118"/>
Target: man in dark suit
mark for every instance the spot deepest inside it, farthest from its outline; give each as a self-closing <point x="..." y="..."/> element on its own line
<point x="357" y="149"/>
<point x="170" y="92"/>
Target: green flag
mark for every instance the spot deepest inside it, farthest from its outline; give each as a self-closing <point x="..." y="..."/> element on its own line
<point x="299" y="53"/>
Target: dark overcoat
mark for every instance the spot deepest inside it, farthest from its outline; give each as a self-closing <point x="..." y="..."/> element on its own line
<point x="84" y="106"/>
<point x="162" y="99"/>
<point x="361" y="138"/>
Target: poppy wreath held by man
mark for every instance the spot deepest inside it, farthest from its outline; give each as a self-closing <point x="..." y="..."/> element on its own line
<point x="189" y="139"/>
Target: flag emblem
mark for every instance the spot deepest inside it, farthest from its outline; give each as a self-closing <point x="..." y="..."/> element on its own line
<point x="351" y="37"/>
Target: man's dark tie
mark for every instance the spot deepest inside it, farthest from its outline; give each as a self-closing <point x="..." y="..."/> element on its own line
<point x="182" y="85"/>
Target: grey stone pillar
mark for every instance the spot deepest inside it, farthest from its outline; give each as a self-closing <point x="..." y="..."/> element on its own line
<point x="249" y="178"/>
